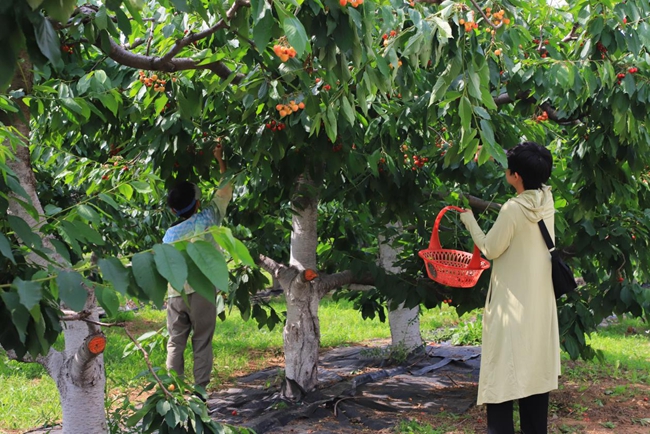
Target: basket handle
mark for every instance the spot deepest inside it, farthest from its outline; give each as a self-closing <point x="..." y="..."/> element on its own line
<point x="434" y="243"/>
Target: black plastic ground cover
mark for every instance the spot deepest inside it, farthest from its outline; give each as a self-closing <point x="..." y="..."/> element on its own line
<point x="356" y="392"/>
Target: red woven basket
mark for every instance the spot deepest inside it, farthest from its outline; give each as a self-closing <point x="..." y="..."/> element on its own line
<point x="452" y="267"/>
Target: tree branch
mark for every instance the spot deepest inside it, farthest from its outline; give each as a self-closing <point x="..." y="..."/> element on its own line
<point x="328" y="282"/>
<point x="281" y="272"/>
<point x="572" y="34"/>
<point x="553" y="114"/>
<point x="485" y="17"/>
<point x="505" y="98"/>
<point x="168" y="63"/>
<point x="193" y="37"/>
<point x="481" y="204"/>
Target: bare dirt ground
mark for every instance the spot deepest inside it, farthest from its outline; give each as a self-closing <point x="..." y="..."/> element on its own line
<point x="602" y="405"/>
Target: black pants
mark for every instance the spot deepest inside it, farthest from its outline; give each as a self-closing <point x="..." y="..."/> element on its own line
<point x="533" y="416"/>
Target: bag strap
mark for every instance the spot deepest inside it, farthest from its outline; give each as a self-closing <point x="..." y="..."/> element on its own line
<point x="546" y="235"/>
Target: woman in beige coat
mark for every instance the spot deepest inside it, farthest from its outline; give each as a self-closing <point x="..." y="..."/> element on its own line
<point x="520" y="356"/>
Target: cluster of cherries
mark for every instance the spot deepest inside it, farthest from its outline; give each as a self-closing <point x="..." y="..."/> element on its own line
<point x="621" y="75"/>
<point x="543" y="117"/>
<point x="275" y="126"/>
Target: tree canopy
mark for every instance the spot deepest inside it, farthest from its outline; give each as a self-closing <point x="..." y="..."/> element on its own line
<point x="394" y="109"/>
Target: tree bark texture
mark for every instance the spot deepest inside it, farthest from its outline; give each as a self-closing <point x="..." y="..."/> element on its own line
<point x="302" y="328"/>
<point x="404" y="323"/>
<point x="80" y="379"/>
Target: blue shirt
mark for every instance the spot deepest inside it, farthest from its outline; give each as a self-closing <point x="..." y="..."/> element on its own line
<point x="195" y="226"/>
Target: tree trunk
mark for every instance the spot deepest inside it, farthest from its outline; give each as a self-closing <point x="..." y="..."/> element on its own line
<point x="404" y="323"/>
<point x="79" y="376"/>
<point x="80" y="379"/>
<point x="302" y="329"/>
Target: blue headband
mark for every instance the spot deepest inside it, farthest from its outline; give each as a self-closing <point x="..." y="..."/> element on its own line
<point x="186" y="209"/>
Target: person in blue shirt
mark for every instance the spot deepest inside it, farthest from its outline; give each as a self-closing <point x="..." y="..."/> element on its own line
<point x="198" y="315"/>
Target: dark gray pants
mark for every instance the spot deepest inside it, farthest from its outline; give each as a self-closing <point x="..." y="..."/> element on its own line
<point x="199" y="317"/>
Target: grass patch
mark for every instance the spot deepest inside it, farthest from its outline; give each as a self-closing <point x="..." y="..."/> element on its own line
<point x="30" y="399"/>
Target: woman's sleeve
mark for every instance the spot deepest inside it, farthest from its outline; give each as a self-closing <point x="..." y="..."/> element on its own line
<point x="498" y="238"/>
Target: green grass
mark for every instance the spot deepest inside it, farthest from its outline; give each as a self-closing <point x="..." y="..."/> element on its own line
<point x="29" y="397"/>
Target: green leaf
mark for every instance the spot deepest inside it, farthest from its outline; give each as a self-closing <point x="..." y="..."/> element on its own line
<point x="481" y="112"/>
<point x="263" y="30"/>
<point x="211" y="263"/>
<point x="198" y="281"/>
<point x="242" y="254"/>
<point x="465" y="112"/>
<point x="114" y="271"/>
<point x="29" y="292"/>
<point x="34" y="3"/>
<point x="487" y="99"/>
<point x="101" y="18"/>
<point x="48" y="42"/>
<point x="295" y="33"/>
<point x="171" y="265"/>
<point x="109" y="101"/>
<point x="24" y="232"/>
<point x="444" y="29"/>
<point x="88" y="233"/>
<point x="331" y="127"/>
<point x="71" y="290"/>
<point x="84" y="83"/>
<point x="60" y="10"/>
<point x="126" y="190"/>
<point x="160" y="103"/>
<point x="19" y="315"/>
<point x="107" y="299"/>
<point x="109" y="200"/>
<point x="88" y="213"/>
<point x="123" y="22"/>
<point x="348" y="111"/>
<point x="147" y="277"/>
<point x="5" y="249"/>
<point x="141" y="186"/>
<point x="474" y="83"/>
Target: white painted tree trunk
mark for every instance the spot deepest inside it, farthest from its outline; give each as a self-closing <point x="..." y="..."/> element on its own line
<point x="302" y="328"/>
<point x="80" y="384"/>
<point x="404" y="323"/>
<point x="80" y="380"/>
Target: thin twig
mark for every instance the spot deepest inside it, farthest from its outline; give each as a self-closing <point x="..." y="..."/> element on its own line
<point x="148" y="362"/>
<point x="150" y="38"/>
<point x="485" y="17"/>
<point x="452" y="380"/>
<point x="76" y="316"/>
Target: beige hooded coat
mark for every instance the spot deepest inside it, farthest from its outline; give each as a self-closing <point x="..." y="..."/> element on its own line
<point x="520" y="353"/>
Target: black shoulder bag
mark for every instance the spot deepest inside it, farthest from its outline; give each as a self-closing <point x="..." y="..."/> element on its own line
<point x="563" y="279"/>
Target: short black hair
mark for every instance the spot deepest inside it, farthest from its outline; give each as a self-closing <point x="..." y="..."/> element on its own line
<point x="532" y="162"/>
<point x="181" y="196"/>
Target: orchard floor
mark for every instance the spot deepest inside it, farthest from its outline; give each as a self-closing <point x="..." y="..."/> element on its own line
<point x="438" y="387"/>
<point x="358" y="394"/>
